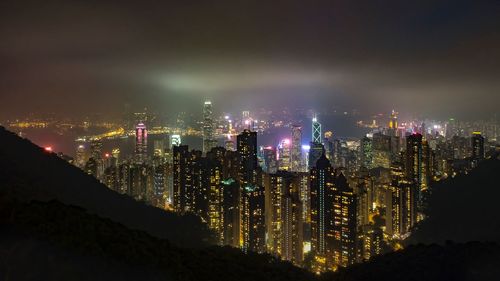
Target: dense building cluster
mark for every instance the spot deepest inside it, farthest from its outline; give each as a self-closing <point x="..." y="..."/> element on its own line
<point x="328" y="204"/>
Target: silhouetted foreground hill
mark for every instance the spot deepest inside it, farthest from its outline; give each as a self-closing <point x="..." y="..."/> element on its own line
<point x="27" y="172"/>
<point x="53" y="241"/>
<point x="470" y="261"/>
<point x="464" y="208"/>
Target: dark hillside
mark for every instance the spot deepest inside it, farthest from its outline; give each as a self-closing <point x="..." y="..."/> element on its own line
<point x="464" y="208"/>
<point x="27" y="172"/>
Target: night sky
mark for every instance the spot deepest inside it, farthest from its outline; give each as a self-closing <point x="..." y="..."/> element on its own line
<point x="436" y="58"/>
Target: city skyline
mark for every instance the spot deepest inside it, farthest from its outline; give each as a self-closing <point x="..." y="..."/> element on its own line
<point x="249" y="140"/>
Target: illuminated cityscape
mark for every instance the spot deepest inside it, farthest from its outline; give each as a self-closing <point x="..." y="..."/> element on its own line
<point x="321" y="205"/>
<point x="246" y="140"/>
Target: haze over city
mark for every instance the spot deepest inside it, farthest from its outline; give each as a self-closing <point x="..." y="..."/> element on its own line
<point x="437" y="59"/>
<point x="249" y="140"/>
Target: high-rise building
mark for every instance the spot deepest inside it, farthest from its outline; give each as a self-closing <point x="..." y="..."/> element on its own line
<point x="141" y="143"/>
<point x="284" y="217"/>
<point x="418" y="165"/>
<point x="344" y="223"/>
<point x="317" y="149"/>
<point x="329" y="145"/>
<point x="81" y="156"/>
<point x="333" y="218"/>
<point x="229" y="144"/>
<point x="252" y="209"/>
<point x="337" y="154"/>
<point x="214" y="172"/>
<point x="322" y="180"/>
<point x="401" y="212"/>
<point x="381" y="151"/>
<point x="247" y="150"/>
<point x="159" y="186"/>
<point x="231" y="212"/>
<point x="208" y="127"/>
<point x="270" y="161"/>
<point x="366" y="153"/>
<point x="252" y="213"/>
<point x="284" y="155"/>
<point x="183" y="179"/>
<point x="96" y="149"/>
<point x="316" y="130"/>
<point x="296" y="158"/>
<point x="393" y="123"/>
<point x="115" y="152"/>
<point x="175" y="140"/>
<point x="315" y="152"/>
<point x="159" y="148"/>
<point x="96" y="167"/>
<point x="477" y="142"/>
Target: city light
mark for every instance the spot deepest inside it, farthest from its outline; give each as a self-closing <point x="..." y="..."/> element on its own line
<point x="250" y="140"/>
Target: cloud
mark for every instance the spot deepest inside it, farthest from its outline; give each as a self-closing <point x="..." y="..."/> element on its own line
<point x="433" y="56"/>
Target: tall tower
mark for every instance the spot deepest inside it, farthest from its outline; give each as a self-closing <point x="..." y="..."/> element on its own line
<point x="296" y="148"/>
<point x="418" y="164"/>
<point x="366" y="153"/>
<point x="246" y="143"/>
<point x="252" y="213"/>
<point x="344" y="223"/>
<point x="317" y="148"/>
<point x="182" y="179"/>
<point x="316" y="130"/>
<point x="322" y="180"/>
<point x="401" y="208"/>
<point x="96" y="149"/>
<point x="284" y="155"/>
<point x="208" y="127"/>
<point x="393" y="121"/>
<point x="81" y="157"/>
<point x="284" y="216"/>
<point x="477" y="146"/>
<point x="141" y="143"/>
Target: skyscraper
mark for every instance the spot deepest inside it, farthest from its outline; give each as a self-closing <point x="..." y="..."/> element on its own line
<point x="208" y="127"/>
<point x="333" y="218"/>
<point x="182" y="187"/>
<point x="477" y="142"/>
<point x="231" y="212"/>
<point x="344" y="223"/>
<point x="159" y="148"/>
<point x="296" y="158"/>
<point x="175" y="140"/>
<point x="141" y="143"/>
<point x="270" y="161"/>
<point x="81" y="157"/>
<point x="215" y="192"/>
<point x="253" y="227"/>
<point x="284" y="217"/>
<point x="322" y="180"/>
<point x="366" y="153"/>
<point x="393" y="123"/>
<point x="96" y="149"/>
<point x="317" y="149"/>
<point x="401" y="204"/>
<point x="329" y="145"/>
<point x="284" y="154"/>
<point x="246" y="143"/>
<point x="417" y="166"/>
<point x="315" y="152"/>
<point x="316" y="130"/>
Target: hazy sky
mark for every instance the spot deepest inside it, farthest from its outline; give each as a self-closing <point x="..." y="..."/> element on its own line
<point x="430" y="57"/>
